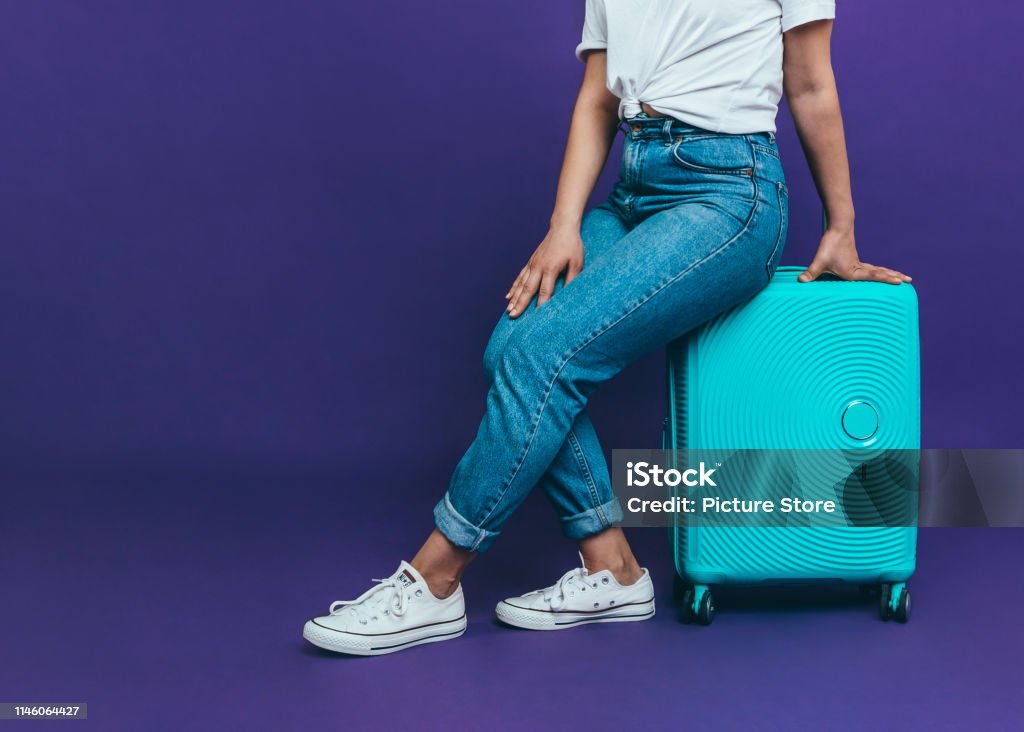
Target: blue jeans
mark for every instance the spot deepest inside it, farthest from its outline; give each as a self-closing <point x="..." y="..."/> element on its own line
<point x="695" y="225"/>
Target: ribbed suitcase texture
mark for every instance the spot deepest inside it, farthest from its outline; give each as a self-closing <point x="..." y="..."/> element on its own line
<point x="829" y="365"/>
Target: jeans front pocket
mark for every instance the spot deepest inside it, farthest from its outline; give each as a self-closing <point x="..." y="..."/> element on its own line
<point x="722" y="154"/>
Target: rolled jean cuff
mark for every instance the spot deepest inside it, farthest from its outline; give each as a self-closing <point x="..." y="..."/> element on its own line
<point x="459" y="531"/>
<point x="592" y="521"/>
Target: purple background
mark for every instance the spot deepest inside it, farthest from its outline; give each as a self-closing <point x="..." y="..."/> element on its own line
<point x="249" y="239"/>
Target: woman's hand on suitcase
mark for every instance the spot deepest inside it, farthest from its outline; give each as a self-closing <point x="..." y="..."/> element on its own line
<point x="837" y="253"/>
<point x="560" y="251"/>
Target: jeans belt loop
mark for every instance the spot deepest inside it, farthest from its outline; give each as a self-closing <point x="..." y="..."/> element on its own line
<point x="667" y="129"/>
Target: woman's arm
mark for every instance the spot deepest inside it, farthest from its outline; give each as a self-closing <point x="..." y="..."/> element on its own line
<point x="814" y="101"/>
<point x="594" y="121"/>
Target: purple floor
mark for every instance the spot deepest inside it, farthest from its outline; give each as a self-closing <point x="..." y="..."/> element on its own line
<point x="177" y="603"/>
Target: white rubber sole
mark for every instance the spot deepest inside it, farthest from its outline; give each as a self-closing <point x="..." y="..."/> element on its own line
<point x="521" y="617"/>
<point x="378" y="645"/>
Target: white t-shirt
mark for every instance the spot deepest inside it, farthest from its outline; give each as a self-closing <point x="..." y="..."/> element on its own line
<point x="714" y="64"/>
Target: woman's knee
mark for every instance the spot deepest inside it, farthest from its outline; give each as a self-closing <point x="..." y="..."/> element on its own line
<point x="496" y="345"/>
<point x="529" y="360"/>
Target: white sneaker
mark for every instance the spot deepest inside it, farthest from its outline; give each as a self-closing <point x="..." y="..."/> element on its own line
<point x="398" y="613"/>
<point x="580" y="598"/>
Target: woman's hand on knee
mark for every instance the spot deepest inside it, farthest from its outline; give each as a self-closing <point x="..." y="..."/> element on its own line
<point x="560" y="252"/>
<point x="837" y="254"/>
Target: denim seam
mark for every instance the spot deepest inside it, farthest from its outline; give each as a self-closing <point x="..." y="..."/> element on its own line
<point x="479" y="534"/>
<point x="602" y="516"/>
<point x="696" y="138"/>
<point x="639" y="158"/>
<point x="765" y="149"/>
<point x="782" y="228"/>
<point x="581" y="459"/>
<point x="601" y="331"/>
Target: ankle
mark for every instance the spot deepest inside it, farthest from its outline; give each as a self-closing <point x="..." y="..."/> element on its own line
<point x="626" y="570"/>
<point x="440" y="584"/>
<point x="610" y="550"/>
<point x="441" y="564"/>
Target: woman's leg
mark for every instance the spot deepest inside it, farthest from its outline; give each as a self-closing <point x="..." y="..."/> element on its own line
<point x="577" y="482"/>
<point x="678" y="268"/>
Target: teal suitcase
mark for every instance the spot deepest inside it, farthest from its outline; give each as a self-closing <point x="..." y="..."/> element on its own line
<point x="829" y="365"/>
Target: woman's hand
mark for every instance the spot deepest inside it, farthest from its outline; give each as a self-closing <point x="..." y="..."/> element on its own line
<point x="837" y="253"/>
<point x="560" y="251"/>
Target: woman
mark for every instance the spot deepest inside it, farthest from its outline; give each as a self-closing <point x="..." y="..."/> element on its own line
<point x="695" y="225"/>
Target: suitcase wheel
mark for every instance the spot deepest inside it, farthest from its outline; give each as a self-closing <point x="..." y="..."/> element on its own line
<point x="895" y="603"/>
<point x="902" y="613"/>
<point x="706" y="608"/>
<point x="697" y="603"/>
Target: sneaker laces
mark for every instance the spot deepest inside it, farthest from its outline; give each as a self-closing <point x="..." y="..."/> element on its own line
<point x="575" y="578"/>
<point x="394" y="602"/>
